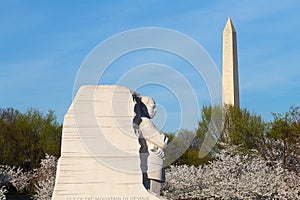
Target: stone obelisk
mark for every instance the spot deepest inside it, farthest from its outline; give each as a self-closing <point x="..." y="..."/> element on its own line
<point x="230" y="66"/>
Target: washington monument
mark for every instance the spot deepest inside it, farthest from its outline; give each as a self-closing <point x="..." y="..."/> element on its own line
<point x="230" y="79"/>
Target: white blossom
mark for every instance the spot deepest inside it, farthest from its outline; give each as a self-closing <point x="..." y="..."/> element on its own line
<point x="2" y="193"/>
<point x="46" y="178"/>
<point x="45" y="189"/>
<point x="232" y="176"/>
<point x="14" y="176"/>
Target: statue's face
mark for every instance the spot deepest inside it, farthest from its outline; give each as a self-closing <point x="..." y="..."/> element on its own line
<point x="150" y="104"/>
<point x="151" y="108"/>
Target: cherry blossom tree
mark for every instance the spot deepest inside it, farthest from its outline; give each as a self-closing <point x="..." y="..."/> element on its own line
<point x="46" y="178"/>
<point x="13" y="176"/>
<point x="43" y="178"/>
<point x="232" y="175"/>
<point x="2" y="193"/>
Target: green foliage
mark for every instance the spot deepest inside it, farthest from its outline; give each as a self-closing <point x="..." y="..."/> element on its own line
<point x="209" y="132"/>
<point x="25" y="138"/>
<point x="232" y="125"/>
<point x="286" y="128"/>
<point x="242" y="128"/>
<point x="185" y="146"/>
<point x="275" y="141"/>
<point x="191" y="157"/>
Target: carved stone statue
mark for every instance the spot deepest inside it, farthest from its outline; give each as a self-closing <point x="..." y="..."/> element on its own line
<point x="153" y="143"/>
<point x="110" y="147"/>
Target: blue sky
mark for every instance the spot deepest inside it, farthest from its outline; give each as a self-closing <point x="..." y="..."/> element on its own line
<point x="43" y="43"/>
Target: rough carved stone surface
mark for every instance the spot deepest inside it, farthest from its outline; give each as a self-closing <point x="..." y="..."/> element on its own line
<point x="100" y="156"/>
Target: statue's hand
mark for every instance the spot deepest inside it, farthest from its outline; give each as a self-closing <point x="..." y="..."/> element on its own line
<point x="152" y="147"/>
<point x="158" y="151"/>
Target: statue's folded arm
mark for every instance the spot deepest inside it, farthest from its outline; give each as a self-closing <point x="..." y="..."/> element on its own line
<point x="151" y="134"/>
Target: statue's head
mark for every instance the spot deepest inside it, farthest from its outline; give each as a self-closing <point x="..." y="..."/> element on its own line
<point x="150" y="104"/>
